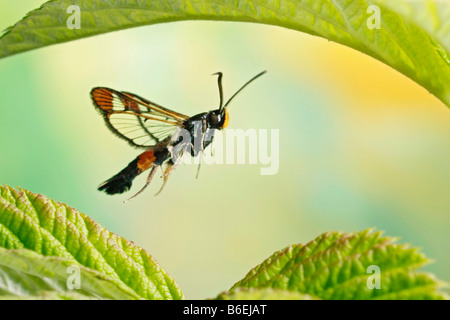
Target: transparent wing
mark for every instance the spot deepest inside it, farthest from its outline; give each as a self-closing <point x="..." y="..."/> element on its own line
<point x="140" y="122"/>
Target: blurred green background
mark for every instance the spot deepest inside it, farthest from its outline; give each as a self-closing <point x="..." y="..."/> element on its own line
<point x="360" y="144"/>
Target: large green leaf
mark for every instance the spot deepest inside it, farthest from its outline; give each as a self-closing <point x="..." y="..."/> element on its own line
<point x="340" y="266"/>
<point x="60" y="237"/>
<point x="43" y="244"/>
<point x="26" y="274"/>
<point x="264" y="294"/>
<point x="413" y="38"/>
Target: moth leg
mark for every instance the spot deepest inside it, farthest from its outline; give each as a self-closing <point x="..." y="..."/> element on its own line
<point x="199" y="164"/>
<point x="200" y="155"/>
<point x="170" y="167"/>
<point x="149" y="179"/>
<point x="212" y="149"/>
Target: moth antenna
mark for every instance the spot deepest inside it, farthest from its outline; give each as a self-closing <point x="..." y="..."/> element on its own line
<point x="219" y="82"/>
<point x="247" y="83"/>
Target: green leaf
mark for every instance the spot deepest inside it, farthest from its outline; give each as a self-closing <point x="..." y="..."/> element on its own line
<point x="339" y="266"/>
<point x="264" y="294"/>
<point x="49" y="295"/>
<point x="413" y="38"/>
<point x="44" y="245"/>
<point x="60" y="237"/>
<point x="26" y="274"/>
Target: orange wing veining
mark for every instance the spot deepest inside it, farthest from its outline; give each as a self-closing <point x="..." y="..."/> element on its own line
<point x="103" y="98"/>
<point x="140" y="122"/>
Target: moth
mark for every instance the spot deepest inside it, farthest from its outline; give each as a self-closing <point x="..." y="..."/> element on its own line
<point x="163" y="134"/>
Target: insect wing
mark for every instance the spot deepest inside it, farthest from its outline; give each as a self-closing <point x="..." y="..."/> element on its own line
<point x="140" y="122"/>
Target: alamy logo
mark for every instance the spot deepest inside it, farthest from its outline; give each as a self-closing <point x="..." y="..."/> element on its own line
<point x="74" y="21"/>
<point x="374" y="281"/>
<point x="74" y="280"/>
<point x="374" y="21"/>
<point x="238" y="146"/>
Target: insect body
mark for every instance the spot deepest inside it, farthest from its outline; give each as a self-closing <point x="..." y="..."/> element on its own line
<point x="164" y="134"/>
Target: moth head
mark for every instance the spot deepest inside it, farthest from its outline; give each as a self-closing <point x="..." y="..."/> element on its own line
<point x="218" y="119"/>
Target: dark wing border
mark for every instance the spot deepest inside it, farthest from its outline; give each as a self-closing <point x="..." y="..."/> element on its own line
<point x="103" y="100"/>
